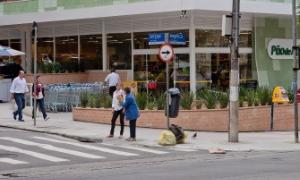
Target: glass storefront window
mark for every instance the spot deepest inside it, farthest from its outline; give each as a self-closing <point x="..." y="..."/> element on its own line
<point x="15" y="44"/>
<point x="156" y="72"/>
<point x="141" y="39"/>
<point x="45" y="48"/>
<point x="67" y="53"/>
<point x="212" y="70"/>
<point x="91" y="51"/>
<point x="213" y="38"/>
<point x="4" y="42"/>
<point x="119" y="50"/>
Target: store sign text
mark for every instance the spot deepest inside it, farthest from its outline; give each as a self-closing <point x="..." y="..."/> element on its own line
<point x="280" y="49"/>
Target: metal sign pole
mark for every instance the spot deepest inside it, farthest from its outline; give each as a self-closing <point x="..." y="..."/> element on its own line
<point x="174" y="72"/>
<point x="147" y="77"/>
<point x="167" y="99"/>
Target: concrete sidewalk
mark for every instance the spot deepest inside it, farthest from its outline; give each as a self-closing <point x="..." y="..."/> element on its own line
<point x="63" y="124"/>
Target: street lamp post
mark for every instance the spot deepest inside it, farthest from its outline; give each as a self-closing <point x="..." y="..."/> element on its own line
<point x="34" y="28"/>
<point x="233" y="130"/>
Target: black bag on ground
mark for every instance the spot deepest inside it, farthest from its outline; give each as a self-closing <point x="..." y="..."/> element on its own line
<point x="177" y="131"/>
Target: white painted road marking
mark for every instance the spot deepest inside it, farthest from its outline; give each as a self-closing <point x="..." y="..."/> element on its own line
<point x="137" y="148"/>
<point x="52" y="148"/>
<point x="34" y="154"/>
<point x="103" y="149"/>
<point x="12" y="161"/>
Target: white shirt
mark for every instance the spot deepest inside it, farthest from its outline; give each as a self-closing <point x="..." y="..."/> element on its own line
<point x="116" y="104"/>
<point x="19" y="86"/>
<point x="112" y="79"/>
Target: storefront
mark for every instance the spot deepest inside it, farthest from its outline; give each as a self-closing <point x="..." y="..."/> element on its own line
<point x="98" y="44"/>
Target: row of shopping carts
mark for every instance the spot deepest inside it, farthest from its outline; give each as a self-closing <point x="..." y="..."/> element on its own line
<point x="62" y="97"/>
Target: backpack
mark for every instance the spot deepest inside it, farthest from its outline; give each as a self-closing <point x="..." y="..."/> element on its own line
<point x="177" y="131"/>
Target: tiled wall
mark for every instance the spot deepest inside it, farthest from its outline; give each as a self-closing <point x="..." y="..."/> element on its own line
<point x="25" y="6"/>
<point x="19" y="7"/>
<point x="272" y="72"/>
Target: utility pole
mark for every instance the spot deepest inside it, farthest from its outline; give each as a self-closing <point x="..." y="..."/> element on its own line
<point x="233" y="130"/>
<point x="296" y="68"/>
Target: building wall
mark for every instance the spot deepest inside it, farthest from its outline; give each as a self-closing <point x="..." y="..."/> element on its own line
<point x="272" y="72"/>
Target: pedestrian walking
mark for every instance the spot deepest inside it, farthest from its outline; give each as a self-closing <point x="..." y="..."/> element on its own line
<point x="39" y="93"/>
<point x="117" y="110"/>
<point x="18" y="90"/>
<point x="131" y="112"/>
<point x="112" y="79"/>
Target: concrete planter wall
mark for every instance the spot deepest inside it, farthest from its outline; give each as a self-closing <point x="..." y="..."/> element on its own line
<point x="251" y="118"/>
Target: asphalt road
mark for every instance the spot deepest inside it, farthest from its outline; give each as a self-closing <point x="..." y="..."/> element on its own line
<point x="166" y="163"/>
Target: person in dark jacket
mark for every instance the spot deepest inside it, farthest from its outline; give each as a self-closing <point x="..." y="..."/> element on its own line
<point x="39" y="94"/>
<point x="131" y="112"/>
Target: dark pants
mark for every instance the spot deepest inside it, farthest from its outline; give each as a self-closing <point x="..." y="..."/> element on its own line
<point x="40" y="103"/>
<point x="132" y="125"/>
<point x="112" y="90"/>
<point x="20" y="101"/>
<point x="113" y="121"/>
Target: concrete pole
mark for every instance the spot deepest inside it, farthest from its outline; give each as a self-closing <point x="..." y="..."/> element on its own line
<point x="234" y="75"/>
<point x="295" y="69"/>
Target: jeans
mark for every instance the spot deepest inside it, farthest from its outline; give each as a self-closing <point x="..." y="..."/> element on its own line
<point x="132" y="125"/>
<point x="113" y="121"/>
<point x="112" y="90"/>
<point x="20" y="101"/>
<point x="40" y="103"/>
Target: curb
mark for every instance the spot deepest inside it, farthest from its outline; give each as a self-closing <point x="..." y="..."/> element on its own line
<point x="78" y="138"/>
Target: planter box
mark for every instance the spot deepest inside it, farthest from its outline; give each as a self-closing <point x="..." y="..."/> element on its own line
<point x="251" y="118"/>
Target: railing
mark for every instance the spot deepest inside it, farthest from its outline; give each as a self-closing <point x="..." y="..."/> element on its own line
<point x="12" y="7"/>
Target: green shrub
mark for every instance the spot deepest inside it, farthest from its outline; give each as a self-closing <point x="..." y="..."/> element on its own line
<point x="106" y="101"/>
<point x="264" y="95"/>
<point x="97" y="101"/>
<point x="141" y="100"/>
<point x="161" y="101"/>
<point x="241" y="101"/>
<point x="250" y="97"/>
<point x="151" y="105"/>
<point x="290" y="95"/>
<point x="210" y="98"/>
<point x="187" y="100"/>
<point x="83" y="100"/>
<point x="56" y="67"/>
<point x="91" y="100"/>
<point x="223" y="100"/>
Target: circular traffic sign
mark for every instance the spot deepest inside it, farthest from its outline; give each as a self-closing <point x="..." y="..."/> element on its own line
<point x="166" y="53"/>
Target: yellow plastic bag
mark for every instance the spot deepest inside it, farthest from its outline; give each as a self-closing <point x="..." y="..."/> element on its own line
<point x="167" y="138"/>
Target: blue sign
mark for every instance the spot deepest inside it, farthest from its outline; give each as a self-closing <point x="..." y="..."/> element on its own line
<point x="177" y="39"/>
<point x="156" y="38"/>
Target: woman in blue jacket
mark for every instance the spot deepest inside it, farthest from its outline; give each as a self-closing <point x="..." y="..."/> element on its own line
<point x="131" y="112"/>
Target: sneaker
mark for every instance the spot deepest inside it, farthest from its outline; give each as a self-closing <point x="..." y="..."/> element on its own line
<point x="15" y="116"/>
<point x="110" y="136"/>
<point x="21" y="120"/>
<point x="46" y="118"/>
<point x="130" y="139"/>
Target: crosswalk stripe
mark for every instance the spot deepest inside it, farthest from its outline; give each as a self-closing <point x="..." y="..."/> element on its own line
<point x="52" y="148"/>
<point x="32" y="153"/>
<point x="137" y="148"/>
<point x="103" y="149"/>
<point x="12" y="161"/>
